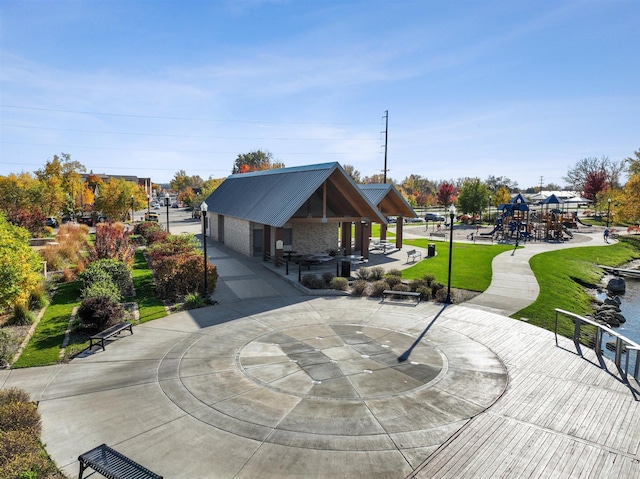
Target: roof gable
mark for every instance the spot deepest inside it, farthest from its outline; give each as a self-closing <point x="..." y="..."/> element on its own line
<point x="388" y="199"/>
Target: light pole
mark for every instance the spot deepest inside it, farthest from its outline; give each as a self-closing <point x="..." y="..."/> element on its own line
<point x="452" y="214"/>
<point x="148" y="207"/>
<point x="204" y="208"/>
<point x="608" y="210"/>
<point x="131" y="208"/>
<point x="166" y="203"/>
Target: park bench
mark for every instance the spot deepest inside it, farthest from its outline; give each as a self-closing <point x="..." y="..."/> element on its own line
<point x="107" y="333"/>
<point x="408" y="294"/>
<point x="412" y="254"/>
<point x="113" y="465"/>
<point x="438" y="234"/>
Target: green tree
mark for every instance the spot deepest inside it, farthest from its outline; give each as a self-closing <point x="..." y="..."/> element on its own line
<point x="633" y="164"/>
<point x="19" y="274"/>
<point x="255" y="161"/>
<point x="473" y="197"/>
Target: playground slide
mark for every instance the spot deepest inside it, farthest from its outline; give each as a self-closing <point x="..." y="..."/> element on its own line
<point x="578" y="220"/>
<point x="491" y="232"/>
<point x="569" y="233"/>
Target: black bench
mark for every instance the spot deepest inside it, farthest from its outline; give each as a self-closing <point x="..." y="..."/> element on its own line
<point x="113" y="465"/>
<point x="439" y="234"/>
<point x="408" y="294"/>
<point x="107" y="333"/>
<point x="413" y="254"/>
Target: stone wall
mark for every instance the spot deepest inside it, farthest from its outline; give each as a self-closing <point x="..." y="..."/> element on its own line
<point x="315" y="238"/>
<point x="237" y="235"/>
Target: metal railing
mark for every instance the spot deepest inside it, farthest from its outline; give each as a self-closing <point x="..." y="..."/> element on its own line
<point x="623" y="345"/>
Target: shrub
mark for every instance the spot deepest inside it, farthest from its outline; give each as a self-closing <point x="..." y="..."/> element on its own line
<point x="151" y="231"/>
<point x="359" y="287"/>
<point x="19" y="416"/>
<point x="102" y="289"/>
<point x="181" y="274"/>
<point x="98" y="313"/>
<point x="428" y="279"/>
<point x="327" y="277"/>
<point x="392" y="280"/>
<point x="401" y="287"/>
<point x="362" y="273"/>
<point x="67" y="275"/>
<point x="440" y="295"/>
<point x="425" y="293"/>
<point x="338" y="283"/>
<point x="5" y="349"/>
<point x="376" y="273"/>
<point x="377" y="287"/>
<point x="117" y="271"/>
<point x="21" y="316"/>
<point x="112" y="242"/>
<point x="436" y="286"/>
<point x="193" y="301"/>
<point x="312" y="281"/>
<point x="38" y="298"/>
<point x="51" y="254"/>
<point x="394" y="272"/>
<point x="13" y="395"/>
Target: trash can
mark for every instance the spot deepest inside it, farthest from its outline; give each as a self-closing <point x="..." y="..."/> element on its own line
<point x="431" y="250"/>
<point x="345" y="268"/>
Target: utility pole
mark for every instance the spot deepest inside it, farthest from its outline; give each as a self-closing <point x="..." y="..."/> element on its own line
<point x="541" y="178"/>
<point x="386" y="137"/>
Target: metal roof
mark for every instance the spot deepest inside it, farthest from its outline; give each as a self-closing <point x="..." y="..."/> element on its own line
<point x="272" y="197"/>
<point x="388" y="199"/>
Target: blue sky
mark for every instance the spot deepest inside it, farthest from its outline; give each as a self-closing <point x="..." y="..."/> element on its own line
<point x="522" y="89"/>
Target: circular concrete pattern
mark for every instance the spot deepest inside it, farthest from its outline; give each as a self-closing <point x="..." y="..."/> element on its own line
<point x="380" y="378"/>
<point x="339" y="362"/>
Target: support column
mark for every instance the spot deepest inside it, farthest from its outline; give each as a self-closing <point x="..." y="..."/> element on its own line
<point x="345" y="240"/>
<point x="358" y="236"/>
<point x="383" y="232"/>
<point x="366" y="233"/>
<point x="399" y="226"/>
<point x="279" y="240"/>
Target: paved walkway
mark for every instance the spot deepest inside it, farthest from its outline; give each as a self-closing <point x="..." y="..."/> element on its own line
<point x="274" y="383"/>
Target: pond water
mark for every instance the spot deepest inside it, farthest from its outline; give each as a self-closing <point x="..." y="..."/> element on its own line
<point x="630" y="308"/>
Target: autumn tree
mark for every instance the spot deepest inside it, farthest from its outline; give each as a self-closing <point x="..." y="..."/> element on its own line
<point x="501" y="196"/>
<point x="255" y="161"/>
<point x="626" y="204"/>
<point x="114" y="199"/>
<point x="446" y="193"/>
<point x="352" y="172"/>
<point x="21" y="199"/>
<point x="595" y="182"/>
<point x="473" y="197"/>
<point x="21" y="265"/>
<point x="418" y="187"/>
<point x="181" y="181"/>
<point x="577" y="176"/>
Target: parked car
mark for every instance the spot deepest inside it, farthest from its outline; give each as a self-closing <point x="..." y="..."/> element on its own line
<point x="51" y="221"/>
<point x="433" y="217"/>
<point x="413" y="220"/>
<point x="392" y="219"/>
<point x="175" y="205"/>
<point x="151" y="216"/>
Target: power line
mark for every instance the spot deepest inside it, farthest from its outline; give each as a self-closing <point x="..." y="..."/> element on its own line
<point x="158" y="117"/>
<point x="179" y="136"/>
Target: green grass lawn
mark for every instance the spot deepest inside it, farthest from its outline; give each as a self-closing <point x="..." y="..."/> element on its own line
<point x="150" y="307"/>
<point x="562" y="275"/>
<point x="470" y="264"/>
<point x="44" y="346"/>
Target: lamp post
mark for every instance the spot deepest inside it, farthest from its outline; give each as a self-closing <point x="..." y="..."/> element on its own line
<point x="452" y="214"/>
<point x="608" y="210"/>
<point x="131" y="208"/>
<point x="166" y="203"/>
<point x="204" y="208"/>
<point x="148" y="207"/>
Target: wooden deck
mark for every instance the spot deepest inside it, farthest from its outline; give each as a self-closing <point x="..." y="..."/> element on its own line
<point x="562" y="416"/>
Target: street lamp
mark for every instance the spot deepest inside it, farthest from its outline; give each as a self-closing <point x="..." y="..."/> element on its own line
<point x="132" y="208"/>
<point x="204" y="208"/>
<point x="608" y="210"/>
<point x="166" y="203"/>
<point x="452" y="214"/>
<point x="148" y="207"/>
